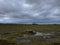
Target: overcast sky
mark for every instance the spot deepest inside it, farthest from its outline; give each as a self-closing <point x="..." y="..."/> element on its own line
<point x="28" y="11"/>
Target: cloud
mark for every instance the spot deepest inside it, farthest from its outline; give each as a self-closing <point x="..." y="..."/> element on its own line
<point x="28" y="11"/>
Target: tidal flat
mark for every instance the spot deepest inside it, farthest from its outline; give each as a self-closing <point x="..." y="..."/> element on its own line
<point x="29" y="34"/>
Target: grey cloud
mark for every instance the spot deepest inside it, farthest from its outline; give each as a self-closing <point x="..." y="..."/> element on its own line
<point x="28" y="11"/>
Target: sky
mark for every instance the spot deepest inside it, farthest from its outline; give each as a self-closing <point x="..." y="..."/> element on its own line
<point x="30" y="11"/>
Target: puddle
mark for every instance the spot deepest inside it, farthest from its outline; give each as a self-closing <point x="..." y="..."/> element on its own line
<point x="21" y="40"/>
<point x="25" y="41"/>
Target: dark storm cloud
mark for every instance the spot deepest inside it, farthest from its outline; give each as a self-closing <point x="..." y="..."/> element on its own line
<point x="28" y="11"/>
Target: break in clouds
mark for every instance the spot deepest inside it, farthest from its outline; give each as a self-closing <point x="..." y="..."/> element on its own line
<point x="28" y="11"/>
